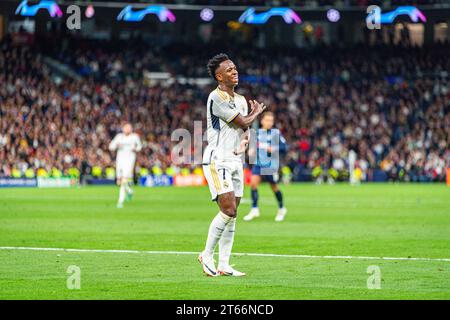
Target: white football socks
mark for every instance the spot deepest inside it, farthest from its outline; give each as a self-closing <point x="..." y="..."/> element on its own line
<point x="215" y="232"/>
<point x="128" y="188"/>
<point x="122" y="193"/>
<point x="226" y="243"/>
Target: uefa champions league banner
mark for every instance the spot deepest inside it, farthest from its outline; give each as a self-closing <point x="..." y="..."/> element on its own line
<point x="18" y="182"/>
<point x="178" y="180"/>
<point x="39" y="182"/>
<point x="56" y="182"/>
<point x="156" y="181"/>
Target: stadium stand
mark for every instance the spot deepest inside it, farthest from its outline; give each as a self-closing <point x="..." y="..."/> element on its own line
<point x="391" y="104"/>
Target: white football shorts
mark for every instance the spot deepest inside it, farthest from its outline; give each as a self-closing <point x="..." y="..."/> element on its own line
<point x="124" y="169"/>
<point x="223" y="177"/>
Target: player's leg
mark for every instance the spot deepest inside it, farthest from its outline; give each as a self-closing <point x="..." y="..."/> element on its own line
<point x="227" y="239"/>
<point x="221" y="188"/>
<point x="281" y="208"/>
<point x="217" y="229"/>
<point x="120" y="180"/>
<point x="129" y="190"/>
<point x="255" y="180"/>
<point x="123" y="192"/>
<point x="129" y="174"/>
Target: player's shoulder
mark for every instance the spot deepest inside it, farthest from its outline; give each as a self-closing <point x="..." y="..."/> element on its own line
<point x="239" y="96"/>
<point x="217" y="96"/>
<point x="119" y="135"/>
<point x="275" y="131"/>
<point x="243" y="103"/>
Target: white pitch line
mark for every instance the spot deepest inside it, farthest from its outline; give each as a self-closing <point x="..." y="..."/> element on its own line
<point x="235" y="254"/>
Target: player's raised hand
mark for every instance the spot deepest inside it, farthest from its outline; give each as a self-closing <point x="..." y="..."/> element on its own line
<point x="245" y="121"/>
<point x="257" y="107"/>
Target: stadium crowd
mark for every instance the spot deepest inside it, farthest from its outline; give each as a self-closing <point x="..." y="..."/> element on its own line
<point x="391" y="104"/>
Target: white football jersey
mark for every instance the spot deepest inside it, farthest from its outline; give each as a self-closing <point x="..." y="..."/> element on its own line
<point x="126" y="146"/>
<point x="223" y="136"/>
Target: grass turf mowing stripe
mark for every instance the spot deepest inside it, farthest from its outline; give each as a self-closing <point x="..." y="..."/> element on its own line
<point x="235" y="254"/>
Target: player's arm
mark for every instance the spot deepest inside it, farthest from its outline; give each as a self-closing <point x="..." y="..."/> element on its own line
<point x="284" y="146"/>
<point x="138" y="144"/>
<point x="244" y="122"/>
<point x="228" y="113"/>
<point x="113" y="144"/>
<point x="281" y="146"/>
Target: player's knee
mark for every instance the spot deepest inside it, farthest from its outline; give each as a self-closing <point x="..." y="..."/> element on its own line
<point x="230" y="212"/>
<point x="254" y="183"/>
<point x="229" y="209"/>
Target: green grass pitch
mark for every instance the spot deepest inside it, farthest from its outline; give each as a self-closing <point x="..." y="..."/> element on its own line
<point x="372" y="220"/>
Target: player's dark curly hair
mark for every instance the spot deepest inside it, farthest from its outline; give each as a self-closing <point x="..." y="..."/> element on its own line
<point x="214" y="63"/>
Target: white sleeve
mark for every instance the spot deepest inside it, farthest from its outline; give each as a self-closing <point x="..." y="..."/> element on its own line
<point x="224" y="110"/>
<point x="114" y="143"/>
<point x="138" y="144"/>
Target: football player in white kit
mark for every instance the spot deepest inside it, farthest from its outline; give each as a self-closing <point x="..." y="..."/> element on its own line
<point x="351" y="167"/>
<point x="127" y="143"/>
<point x="227" y="119"/>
